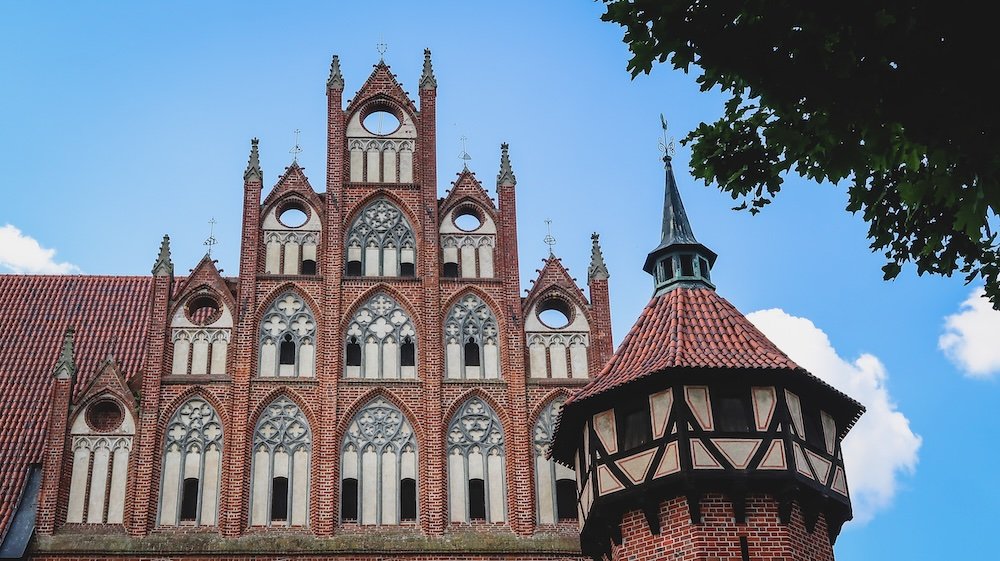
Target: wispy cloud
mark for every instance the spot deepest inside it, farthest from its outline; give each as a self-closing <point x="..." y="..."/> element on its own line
<point x="881" y="448"/>
<point x="971" y="337"/>
<point x="20" y="253"/>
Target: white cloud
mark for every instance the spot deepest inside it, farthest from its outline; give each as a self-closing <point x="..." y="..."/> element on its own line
<point x="23" y="254"/>
<point x="881" y="447"/>
<point x="972" y="337"/>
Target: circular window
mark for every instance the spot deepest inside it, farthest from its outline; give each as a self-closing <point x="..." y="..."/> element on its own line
<point x="203" y="310"/>
<point x="292" y="216"/>
<point x="555" y="313"/>
<point x="105" y="415"/>
<point x="381" y="122"/>
<point x="468" y="219"/>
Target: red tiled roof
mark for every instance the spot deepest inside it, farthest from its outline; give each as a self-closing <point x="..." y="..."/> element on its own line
<point x="686" y="328"/>
<point x="110" y="315"/>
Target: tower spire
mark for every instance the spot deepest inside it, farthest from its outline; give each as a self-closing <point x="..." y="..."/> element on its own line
<point x="163" y="265"/>
<point x="506" y="175"/>
<point x="427" y="79"/>
<point x="253" y="172"/>
<point x="336" y="79"/>
<point x="66" y="364"/>
<point x="597" y="270"/>
<point x="679" y="259"/>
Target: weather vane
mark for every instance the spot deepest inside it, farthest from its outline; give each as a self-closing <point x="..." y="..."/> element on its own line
<point x="549" y="240"/>
<point x="211" y="241"/>
<point x="464" y="156"/>
<point x="296" y="150"/>
<point x="666" y="144"/>
<point x="381" y="47"/>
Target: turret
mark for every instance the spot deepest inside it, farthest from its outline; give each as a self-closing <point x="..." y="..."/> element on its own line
<point x="700" y="436"/>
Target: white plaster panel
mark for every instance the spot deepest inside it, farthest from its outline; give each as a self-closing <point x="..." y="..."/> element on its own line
<point x="406" y="166"/>
<point x="659" y="409"/>
<point x="181" y="349"/>
<point x="795" y="410"/>
<point x="390" y="359"/>
<point x="371" y="358"/>
<point x="546" y="498"/>
<point x="219" y="350"/>
<point x="491" y="360"/>
<point x="272" y="258"/>
<point x="774" y="458"/>
<point x="350" y="464"/>
<point x="578" y="323"/>
<point x="606" y="481"/>
<point x="390" y="488"/>
<point x="450" y="254"/>
<point x="357" y="165"/>
<point x="604" y="426"/>
<point x="456" y="487"/>
<point x="454" y="361"/>
<point x="737" y="451"/>
<point x="267" y="359"/>
<point x="821" y="465"/>
<point x="578" y="360"/>
<point x="271" y="222"/>
<point x="557" y="360"/>
<point x="498" y="495"/>
<point x="829" y="431"/>
<point x="697" y="400"/>
<point x="309" y="251"/>
<point x="280" y="464"/>
<point x="468" y="261"/>
<point x="371" y="165"/>
<point x="369" y="487"/>
<point x="210" y="491"/>
<point x="670" y="462"/>
<point x="536" y="360"/>
<point x="98" y="483"/>
<point x="117" y="490"/>
<point x="448" y="224"/>
<point x="261" y="482"/>
<point x="764" y="402"/>
<point x="389" y="260"/>
<point x="701" y="458"/>
<point x="307" y="359"/>
<point x="476" y="467"/>
<point x="171" y="484"/>
<point x="636" y="465"/>
<point x="78" y="483"/>
<point x="199" y="355"/>
<point x="485" y="261"/>
<point x="291" y="264"/>
<point x="840" y="482"/>
<point x="389" y="165"/>
<point x="300" y="487"/>
<point x="371" y="261"/>
<point x="408" y="465"/>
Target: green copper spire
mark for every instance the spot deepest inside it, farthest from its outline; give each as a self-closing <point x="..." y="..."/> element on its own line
<point x="680" y="259"/>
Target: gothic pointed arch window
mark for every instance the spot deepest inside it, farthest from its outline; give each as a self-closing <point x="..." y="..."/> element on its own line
<point x="381" y="341"/>
<point x="287" y="339"/>
<point x="282" y="446"/>
<point x="379" y="467"/>
<point x="555" y="484"/>
<point x="471" y="340"/>
<point x="192" y="460"/>
<point x="476" y="472"/>
<point x="380" y="242"/>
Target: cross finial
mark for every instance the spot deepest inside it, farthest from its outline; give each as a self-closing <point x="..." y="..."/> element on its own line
<point x="464" y="156"/>
<point x="211" y="241"/>
<point x="549" y="240"/>
<point x="666" y="143"/>
<point x="296" y="150"/>
<point x="381" y="47"/>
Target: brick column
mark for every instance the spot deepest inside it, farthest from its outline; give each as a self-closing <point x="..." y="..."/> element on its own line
<point x="55" y="477"/>
<point x="601" y="343"/>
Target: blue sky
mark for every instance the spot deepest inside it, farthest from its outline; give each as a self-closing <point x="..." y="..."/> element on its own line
<point x="121" y="122"/>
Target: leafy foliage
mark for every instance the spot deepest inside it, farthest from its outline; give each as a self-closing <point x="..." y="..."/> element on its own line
<point x="892" y="100"/>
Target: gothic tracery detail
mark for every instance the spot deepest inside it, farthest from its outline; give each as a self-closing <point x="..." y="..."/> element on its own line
<point x="471" y="340"/>
<point x="380" y="242"/>
<point x="287" y="338"/>
<point x="381" y="341"/>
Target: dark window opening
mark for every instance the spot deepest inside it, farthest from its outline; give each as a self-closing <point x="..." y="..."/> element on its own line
<point x="349" y="500"/>
<point x="308" y="267"/>
<point x="634" y="427"/>
<point x="477" y="499"/>
<point x="703" y="265"/>
<point x="472" y="353"/>
<point x="451" y="270"/>
<point x="668" y="268"/>
<point x="744" y="549"/>
<point x="287" y="351"/>
<point x="407" y="353"/>
<point x="353" y="352"/>
<point x="354" y="268"/>
<point x="566" y="499"/>
<point x="732" y="412"/>
<point x="279" y="499"/>
<point x="687" y="265"/>
<point x="189" y="500"/>
<point x="408" y="499"/>
<point x="407" y="270"/>
<point x="814" y="428"/>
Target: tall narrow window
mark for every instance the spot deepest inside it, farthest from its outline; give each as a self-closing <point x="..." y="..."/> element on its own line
<point x="471" y="340"/>
<point x="279" y="487"/>
<point x="555" y="484"/>
<point x="378" y="462"/>
<point x="634" y="426"/>
<point x="380" y="242"/>
<point x="287" y="335"/>
<point x="732" y="410"/>
<point x="374" y="336"/>
<point x="192" y="464"/>
<point x="476" y="486"/>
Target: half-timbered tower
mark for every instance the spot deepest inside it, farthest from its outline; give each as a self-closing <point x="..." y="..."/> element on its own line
<point x="372" y="382"/>
<point x="700" y="439"/>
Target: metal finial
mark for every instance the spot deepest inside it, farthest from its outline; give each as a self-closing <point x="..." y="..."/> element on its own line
<point x="666" y="143"/>
<point x="381" y="47"/>
<point x="464" y="156"/>
<point x="296" y="150"/>
<point x="211" y="241"/>
<point x="549" y="240"/>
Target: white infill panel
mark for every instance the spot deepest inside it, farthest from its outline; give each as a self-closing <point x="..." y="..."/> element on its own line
<point x="456" y="486"/>
<point x="454" y="360"/>
<point x="390" y="359"/>
<point x="219" y="349"/>
<point x="78" y="483"/>
<point x="492" y="359"/>
<point x="267" y="359"/>
<point x="272" y="258"/>
<point x="357" y="165"/>
<point x="536" y="360"/>
<point x="199" y="355"/>
<point x="261" y="482"/>
<point x="390" y="488"/>
<point x="307" y="358"/>
<point x="119" y="475"/>
<point x="371" y="358"/>
<point x="300" y="487"/>
<point x="498" y="496"/>
<point x="764" y="402"/>
<point x="371" y="261"/>
<point x="210" y="492"/>
<point x="389" y="165"/>
<point x="291" y="266"/>
<point x="486" y="261"/>
<point x="389" y="259"/>
<point x="406" y="166"/>
<point x="557" y="360"/>
<point x="578" y="360"/>
<point x="468" y="261"/>
<point x="171" y="482"/>
<point x="543" y="477"/>
<point x="181" y="349"/>
<point x="373" y="167"/>
<point x="98" y="484"/>
<point x="369" y="487"/>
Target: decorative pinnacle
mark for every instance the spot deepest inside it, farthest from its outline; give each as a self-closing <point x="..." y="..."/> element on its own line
<point x="66" y="366"/>
<point x="598" y="270"/>
<point x="336" y="79"/>
<point x="427" y="80"/>
<point x="253" y="172"/>
<point x="164" y="266"/>
<point x="506" y="175"/>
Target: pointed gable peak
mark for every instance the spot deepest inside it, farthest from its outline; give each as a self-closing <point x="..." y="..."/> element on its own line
<point x="553" y="274"/>
<point x="65" y="368"/>
<point x="506" y="176"/>
<point x="253" y="172"/>
<point x="466" y="186"/>
<point x="381" y="83"/>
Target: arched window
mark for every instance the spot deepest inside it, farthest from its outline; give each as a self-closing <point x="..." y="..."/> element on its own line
<point x="102" y="443"/>
<point x="189" y="492"/>
<point x="555" y="484"/>
<point x="471" y="340"/>
<point x="476" y="489"/>
<point x="381" y="341"/>
<point x="287" y="336"/>
<point x="379" y="467"/>
<point x="282" y="444"/>
<point x="380" y="243"/>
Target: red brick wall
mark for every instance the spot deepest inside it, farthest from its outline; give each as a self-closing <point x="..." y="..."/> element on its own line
<point x="717" y="538"/>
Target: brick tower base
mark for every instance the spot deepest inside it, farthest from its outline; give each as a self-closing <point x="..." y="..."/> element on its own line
<point x="718" y="537"/>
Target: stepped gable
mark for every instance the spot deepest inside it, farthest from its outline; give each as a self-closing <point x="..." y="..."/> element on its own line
<point x="110" y="315"/>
